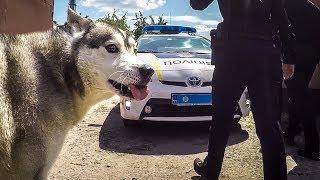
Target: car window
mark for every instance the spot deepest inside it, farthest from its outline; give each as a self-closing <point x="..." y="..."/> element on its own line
<point x="173" y="44"/>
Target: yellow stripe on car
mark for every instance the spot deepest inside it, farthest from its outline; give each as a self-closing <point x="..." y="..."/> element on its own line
<point x="155" y="65"/>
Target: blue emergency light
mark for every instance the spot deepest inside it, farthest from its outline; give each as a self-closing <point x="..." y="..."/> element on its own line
<point x="164" y="29"/>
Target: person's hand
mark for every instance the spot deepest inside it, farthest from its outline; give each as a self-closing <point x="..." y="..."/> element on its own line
<point x="288" y="70"/>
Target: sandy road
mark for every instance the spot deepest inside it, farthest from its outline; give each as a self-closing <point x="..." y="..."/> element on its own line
<point x="100" y="147"/>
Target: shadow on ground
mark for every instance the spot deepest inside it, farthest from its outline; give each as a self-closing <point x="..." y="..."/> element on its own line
<point x="305" y="169"/>
<point x="158" y="138"/>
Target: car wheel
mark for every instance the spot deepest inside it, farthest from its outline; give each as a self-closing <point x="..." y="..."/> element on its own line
<point x="236" y="124"/>
<point x="236" y="120"/>
<point x="129" y="123"/>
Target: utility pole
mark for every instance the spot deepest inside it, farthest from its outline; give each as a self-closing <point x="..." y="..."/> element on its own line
<point x="72" y="4"/>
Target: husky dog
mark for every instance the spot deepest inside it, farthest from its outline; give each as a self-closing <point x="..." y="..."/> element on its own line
<point x="49" y="80"/>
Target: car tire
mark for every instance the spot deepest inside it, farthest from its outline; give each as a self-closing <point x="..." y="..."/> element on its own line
<point x="129" y="123"/>
<point x="237" y="120"/>
<point x="236" y="124"/>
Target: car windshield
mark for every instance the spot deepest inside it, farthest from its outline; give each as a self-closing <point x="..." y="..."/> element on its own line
<point x="173" y="44"/>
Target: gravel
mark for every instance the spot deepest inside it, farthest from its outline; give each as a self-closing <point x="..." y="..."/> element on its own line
<point x="100" y="147"/>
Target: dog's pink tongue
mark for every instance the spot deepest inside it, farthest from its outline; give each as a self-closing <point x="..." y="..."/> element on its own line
<point x="138" y="94"/>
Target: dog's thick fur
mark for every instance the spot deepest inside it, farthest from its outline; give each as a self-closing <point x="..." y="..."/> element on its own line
<point x="48" y="81"/>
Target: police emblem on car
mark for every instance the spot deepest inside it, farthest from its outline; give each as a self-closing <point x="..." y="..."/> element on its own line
<point x="194" y="81"/>
<point x="181" y="87"/>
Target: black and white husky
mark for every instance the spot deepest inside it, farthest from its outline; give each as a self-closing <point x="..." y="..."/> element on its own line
<point x="48" y="81"/>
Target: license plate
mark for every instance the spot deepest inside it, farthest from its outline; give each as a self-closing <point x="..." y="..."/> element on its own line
<point x="191" y="99"/>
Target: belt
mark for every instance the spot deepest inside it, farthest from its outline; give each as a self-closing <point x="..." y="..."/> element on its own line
<point x="243" y="35"/>
<point x="244" y="31"/>
<point x="250" y="36"/>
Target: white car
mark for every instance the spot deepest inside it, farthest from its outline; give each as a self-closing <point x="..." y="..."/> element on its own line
<point x="180" y="89"/>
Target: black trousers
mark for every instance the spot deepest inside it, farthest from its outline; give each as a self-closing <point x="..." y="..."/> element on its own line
<point x="254" y="64"/>
<point x="302" y="104"/>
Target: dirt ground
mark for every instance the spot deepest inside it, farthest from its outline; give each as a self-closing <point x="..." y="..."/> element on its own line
<point x="100" y="147"/>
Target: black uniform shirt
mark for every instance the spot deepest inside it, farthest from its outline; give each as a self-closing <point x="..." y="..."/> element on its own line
<point x="256" y="11"/>
<point x="305" y="21"/>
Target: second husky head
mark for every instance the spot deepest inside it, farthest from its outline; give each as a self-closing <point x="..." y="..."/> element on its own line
<point x="109" y="54"/>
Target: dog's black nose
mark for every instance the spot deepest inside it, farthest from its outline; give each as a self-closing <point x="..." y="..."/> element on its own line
<point x="146" y="71"/>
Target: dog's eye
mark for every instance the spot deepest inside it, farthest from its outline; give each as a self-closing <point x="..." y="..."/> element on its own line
<point x="112" y="48"/>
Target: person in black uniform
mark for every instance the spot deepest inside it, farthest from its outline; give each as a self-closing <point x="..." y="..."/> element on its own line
<point x="245" y="56"/>
<point x="304" y="18"/>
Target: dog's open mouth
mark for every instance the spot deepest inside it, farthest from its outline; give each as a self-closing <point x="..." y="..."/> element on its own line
<point x="138" y="92"/>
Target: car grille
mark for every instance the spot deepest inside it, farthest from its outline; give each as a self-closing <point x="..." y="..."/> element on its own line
<point x="164" y="108"/>
<point x="173" y="83"/>
<point x="183" y="84"/>
<point x="204" y="84"/>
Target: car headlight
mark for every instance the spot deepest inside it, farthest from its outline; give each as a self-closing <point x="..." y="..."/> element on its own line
<point x="127" y="104"/>
<point x="248" y="103"/>
<point x="246" y="93"/>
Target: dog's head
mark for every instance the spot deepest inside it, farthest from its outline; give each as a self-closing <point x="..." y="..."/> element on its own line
<point x="111" y="52"/>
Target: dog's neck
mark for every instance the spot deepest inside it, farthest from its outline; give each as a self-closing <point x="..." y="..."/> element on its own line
<point x="95" y="88"/>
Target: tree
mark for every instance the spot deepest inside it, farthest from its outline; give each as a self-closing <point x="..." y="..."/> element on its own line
<point x="161" y="21"/>
<point x="141" y="22"/>
<point x="115" y="21"/>
<point x="152" y="20"/>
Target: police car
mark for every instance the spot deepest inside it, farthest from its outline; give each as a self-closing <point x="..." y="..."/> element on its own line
<point x="180" y="89"/>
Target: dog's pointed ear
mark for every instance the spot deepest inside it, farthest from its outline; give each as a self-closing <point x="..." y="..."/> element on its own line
<point x="77" y="22"/>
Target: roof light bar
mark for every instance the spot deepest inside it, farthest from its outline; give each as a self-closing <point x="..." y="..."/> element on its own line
<point x="164" y="29"/>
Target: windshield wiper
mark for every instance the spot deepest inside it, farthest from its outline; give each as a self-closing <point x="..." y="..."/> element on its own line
<point x="148" y="52"/>
<point x="188" y="52"/>
<point x="201" y="52"/>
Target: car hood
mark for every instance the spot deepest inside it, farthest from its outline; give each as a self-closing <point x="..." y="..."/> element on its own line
<point x="179" y="67"/>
